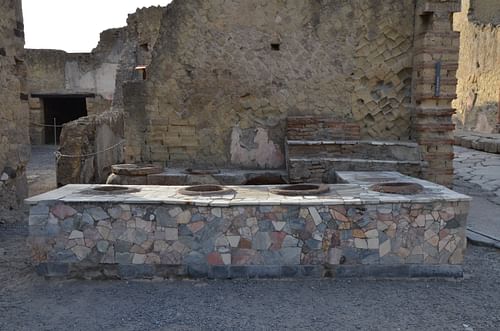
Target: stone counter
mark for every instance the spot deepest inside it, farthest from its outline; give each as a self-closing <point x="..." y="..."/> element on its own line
<point x="347" y="232"/>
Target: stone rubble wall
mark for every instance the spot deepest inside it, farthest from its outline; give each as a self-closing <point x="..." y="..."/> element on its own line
<point x="14" y="138"/>
<point x="58" y="72"/>
<point x="226" y="75"/>
<point x="102" y="240"/>
<point x="101" y="72"/>
<point x="479" y="70"/>
<point x="141" y="34"/>
<point x="90" y="135"/>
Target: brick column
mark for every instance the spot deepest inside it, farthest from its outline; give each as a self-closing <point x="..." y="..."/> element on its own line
<point x="434" y="86"/>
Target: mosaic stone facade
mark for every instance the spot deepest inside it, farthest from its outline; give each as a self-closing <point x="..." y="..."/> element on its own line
<point x="266" y="240"/>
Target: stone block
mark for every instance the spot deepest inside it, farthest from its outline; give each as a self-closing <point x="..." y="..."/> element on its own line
<point x="127" y="271"/>
<point x="238" y="272"/>
<point x="218" y="272"/>
<point x="263" y="271"/>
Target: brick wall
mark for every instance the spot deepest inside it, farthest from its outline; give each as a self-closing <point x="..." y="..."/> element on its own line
<point x="14" y="148"/>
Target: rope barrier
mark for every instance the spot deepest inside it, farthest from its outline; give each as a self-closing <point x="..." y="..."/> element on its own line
<point x="59" y="155"/>
<point x="46" y="125"/>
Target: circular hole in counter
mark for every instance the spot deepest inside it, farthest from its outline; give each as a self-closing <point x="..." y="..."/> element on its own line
<point x="403" y="188"/>
<point x="207" y="189"/>
<point x="112" y="189"/>
<point x="192" y="171"/>
<point x="301" y="189"/>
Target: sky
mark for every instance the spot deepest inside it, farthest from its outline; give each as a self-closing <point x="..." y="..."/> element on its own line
<point x="75" y="25"/>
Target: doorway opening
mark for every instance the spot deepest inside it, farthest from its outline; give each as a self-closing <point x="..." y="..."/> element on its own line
<point x="60" y="110"/>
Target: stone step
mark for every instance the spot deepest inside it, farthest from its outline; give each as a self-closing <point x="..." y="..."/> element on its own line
<point x="486" y="142"/>
<point x="317" y="170"/>
<point x="355" y="149"/>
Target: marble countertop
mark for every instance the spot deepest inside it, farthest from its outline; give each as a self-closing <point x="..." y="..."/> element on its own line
<point x="354" y="191"/>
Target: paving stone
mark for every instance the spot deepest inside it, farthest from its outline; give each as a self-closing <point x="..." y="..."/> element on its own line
<point x="290" y="271"/>
<point x="360" y="243"/>
<point x="335" y="256"/>
<point x="62" y="211"/>
<point x="263" y="271"/>
<point x="37" y="220"/>
<point x="373" y="243"/>
<point x="261" y="241"/>
<point x="81" y="252"/>
<point x="297" y="224"/>
<point x="171" y="234"/>
<point x="219" y="272"/>
<point x="164" y="217"/>
<point x="233" y="240"/>
<point x="216" y="212"/>
<point x="278" y="225"/>
<point x="315" y="215"/>
<point x="76" y="235"/>
<point x="97" y="213"/>
<point x="138" y="258"/>
<point x="115" y="212"/>
<point x="39" y="209"/>
<point x="311" y="271"/>
<point x="175" y="211"/>
<point x="52" y="230"/>
<point x="102" y="246"/>
<point x="136" y="271"/>
<point x="122" y="246"/>
<point x="184" y="217"/>
<point x="313" y="244"/>
<point x="290" y="255"/>
<point x="266" y="226"/>
<point x="385" y="248"/>
<point x="290" y="241"/>
<point x="87" y="219"/>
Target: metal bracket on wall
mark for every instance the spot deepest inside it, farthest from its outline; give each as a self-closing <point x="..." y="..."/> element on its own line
<point x="437" y="88"/>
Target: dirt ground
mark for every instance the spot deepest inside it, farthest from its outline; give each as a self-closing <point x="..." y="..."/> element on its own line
<point x="28" y="302"/>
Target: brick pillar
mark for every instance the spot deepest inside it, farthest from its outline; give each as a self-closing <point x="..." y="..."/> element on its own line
<point x="434" y="86"/>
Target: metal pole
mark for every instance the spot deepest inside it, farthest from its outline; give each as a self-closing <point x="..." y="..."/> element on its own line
<point x="437" y="87"/>
<point x="55" y="132"/>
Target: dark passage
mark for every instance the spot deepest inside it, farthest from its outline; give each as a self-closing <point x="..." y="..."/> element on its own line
<point x="64" y="110"/>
